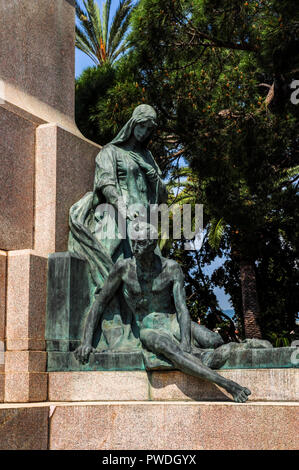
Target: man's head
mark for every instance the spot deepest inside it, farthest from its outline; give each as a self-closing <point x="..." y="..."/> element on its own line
<point x="145" y="239"/>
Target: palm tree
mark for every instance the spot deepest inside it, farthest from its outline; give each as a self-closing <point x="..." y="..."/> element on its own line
<point x="251" y="309"/>
<point x="103" y="44"/>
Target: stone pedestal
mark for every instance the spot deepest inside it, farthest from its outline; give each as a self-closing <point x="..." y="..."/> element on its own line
<point x="65" y="165"/>
<point x="27" y="369"/>
<point x="153" y="411"/>
<point x="24" y="427"/>
<point x="17" y="148"/>
<point x="37" y="69"/>
<point x="146" y="425"/>
<point x="3" y="281"/>
<point x="26" y="301"/>
<point x="173" y="426"/>
<point x="46" y="166"/>
<point x="2" y="385"/>
<point x="265" y="385"/>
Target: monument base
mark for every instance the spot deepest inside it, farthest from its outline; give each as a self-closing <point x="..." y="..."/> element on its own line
<point x="265" y="385"/>
<point x="149" y="426"/>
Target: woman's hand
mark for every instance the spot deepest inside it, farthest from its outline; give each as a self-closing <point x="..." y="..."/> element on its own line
<point x="149" y="169"/>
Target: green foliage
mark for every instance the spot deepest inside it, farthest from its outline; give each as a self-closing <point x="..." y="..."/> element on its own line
<point x="216" y="232"/>
<point x="279" y="340"/>
<point x="218" y="74"/>
<point x="92" y="88"/>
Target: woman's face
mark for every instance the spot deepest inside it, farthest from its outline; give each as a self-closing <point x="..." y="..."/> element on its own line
<point x="143" y="130"/>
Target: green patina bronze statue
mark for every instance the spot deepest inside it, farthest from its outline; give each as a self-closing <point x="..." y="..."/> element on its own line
<point x="137" y="296"/>
<point x="153" y="289"/>
<point x="126" y="174"/>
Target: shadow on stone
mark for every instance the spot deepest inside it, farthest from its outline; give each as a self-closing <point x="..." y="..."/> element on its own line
<point x="175" y="385"/>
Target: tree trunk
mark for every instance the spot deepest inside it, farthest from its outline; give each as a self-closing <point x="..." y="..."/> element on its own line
<point x="251" y="308"/>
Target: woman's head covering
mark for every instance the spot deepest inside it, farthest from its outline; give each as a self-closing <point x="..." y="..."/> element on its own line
<point x="142" y="113"/>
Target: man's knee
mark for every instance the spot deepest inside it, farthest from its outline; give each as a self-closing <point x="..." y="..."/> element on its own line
<point x="206" y="338"/>
<point x="154" y="340"/>
<point x="148" y="337"/>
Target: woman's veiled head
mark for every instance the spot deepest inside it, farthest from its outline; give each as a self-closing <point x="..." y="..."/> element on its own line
<point x="144" y="112"/>
<point x="143" y="120"/>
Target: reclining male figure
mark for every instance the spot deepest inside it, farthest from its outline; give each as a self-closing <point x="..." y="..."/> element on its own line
<point x="153" y="288"/>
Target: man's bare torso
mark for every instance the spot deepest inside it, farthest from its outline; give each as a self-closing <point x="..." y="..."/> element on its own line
<point x="149" y="290"/>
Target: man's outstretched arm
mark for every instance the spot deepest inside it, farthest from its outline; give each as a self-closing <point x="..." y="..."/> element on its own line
<point x="110" y="287"/>
<point x="181" y="309"/>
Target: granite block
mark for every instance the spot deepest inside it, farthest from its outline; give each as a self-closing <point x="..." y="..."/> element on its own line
<point x="2" y="379"/>
<point x="174" y="426"/>
<point x="40" y="64"/>
<point x="3" y="278"/>
<point x="98" y="386"/>
<point x="26" y="301"/>
<point x="64" y="173"/>
<point x="23" y="387"/>
<point x="17" y="147"/>
<point x="25" y="361"/>
<point x="265" y="385"/>
<point x="23" y="428"/>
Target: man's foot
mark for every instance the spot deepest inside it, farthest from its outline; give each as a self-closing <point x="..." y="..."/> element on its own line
<point x="82" y="353"/>
<point x="239" y="394"/>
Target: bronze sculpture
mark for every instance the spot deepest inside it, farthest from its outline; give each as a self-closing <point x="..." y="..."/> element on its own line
<point x="153" y="288"/>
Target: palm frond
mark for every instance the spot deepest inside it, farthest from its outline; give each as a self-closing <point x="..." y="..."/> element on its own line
<point x="80" y="45"/>
<point x="86" y="51"/>
<point x="79" y="11"/>
<point x="216" y="233"/>
<point x="115" y="42"/>
<point x="86" y="29"/>
<point x="91" y="27"/>
<point x="122" y="11"/>
<point x="123" y="48"/>
<point x="183" y="171"/>
<point x="82" y="38"/>
<point x="106" y="15"/>
<point x="288" y="174"/>
<point x="95" y="17"/>
<point x="92" y="31"/>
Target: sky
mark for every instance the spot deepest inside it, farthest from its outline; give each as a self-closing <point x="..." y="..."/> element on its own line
<point x="81" y="63"/>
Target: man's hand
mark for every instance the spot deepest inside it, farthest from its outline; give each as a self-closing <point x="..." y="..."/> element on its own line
<point x="132" y="214"/>
<point x="82" y="353"/>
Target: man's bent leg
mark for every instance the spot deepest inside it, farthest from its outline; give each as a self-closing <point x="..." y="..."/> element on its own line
<point x="161" y="343"/>
<point x="205" y="338"/>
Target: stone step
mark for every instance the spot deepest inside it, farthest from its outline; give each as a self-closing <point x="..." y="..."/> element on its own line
<point x="265" y="385"/>
<point x="147" y="425"/>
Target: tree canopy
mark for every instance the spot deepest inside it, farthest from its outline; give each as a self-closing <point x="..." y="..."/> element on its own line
<point x="219" y="73"/>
